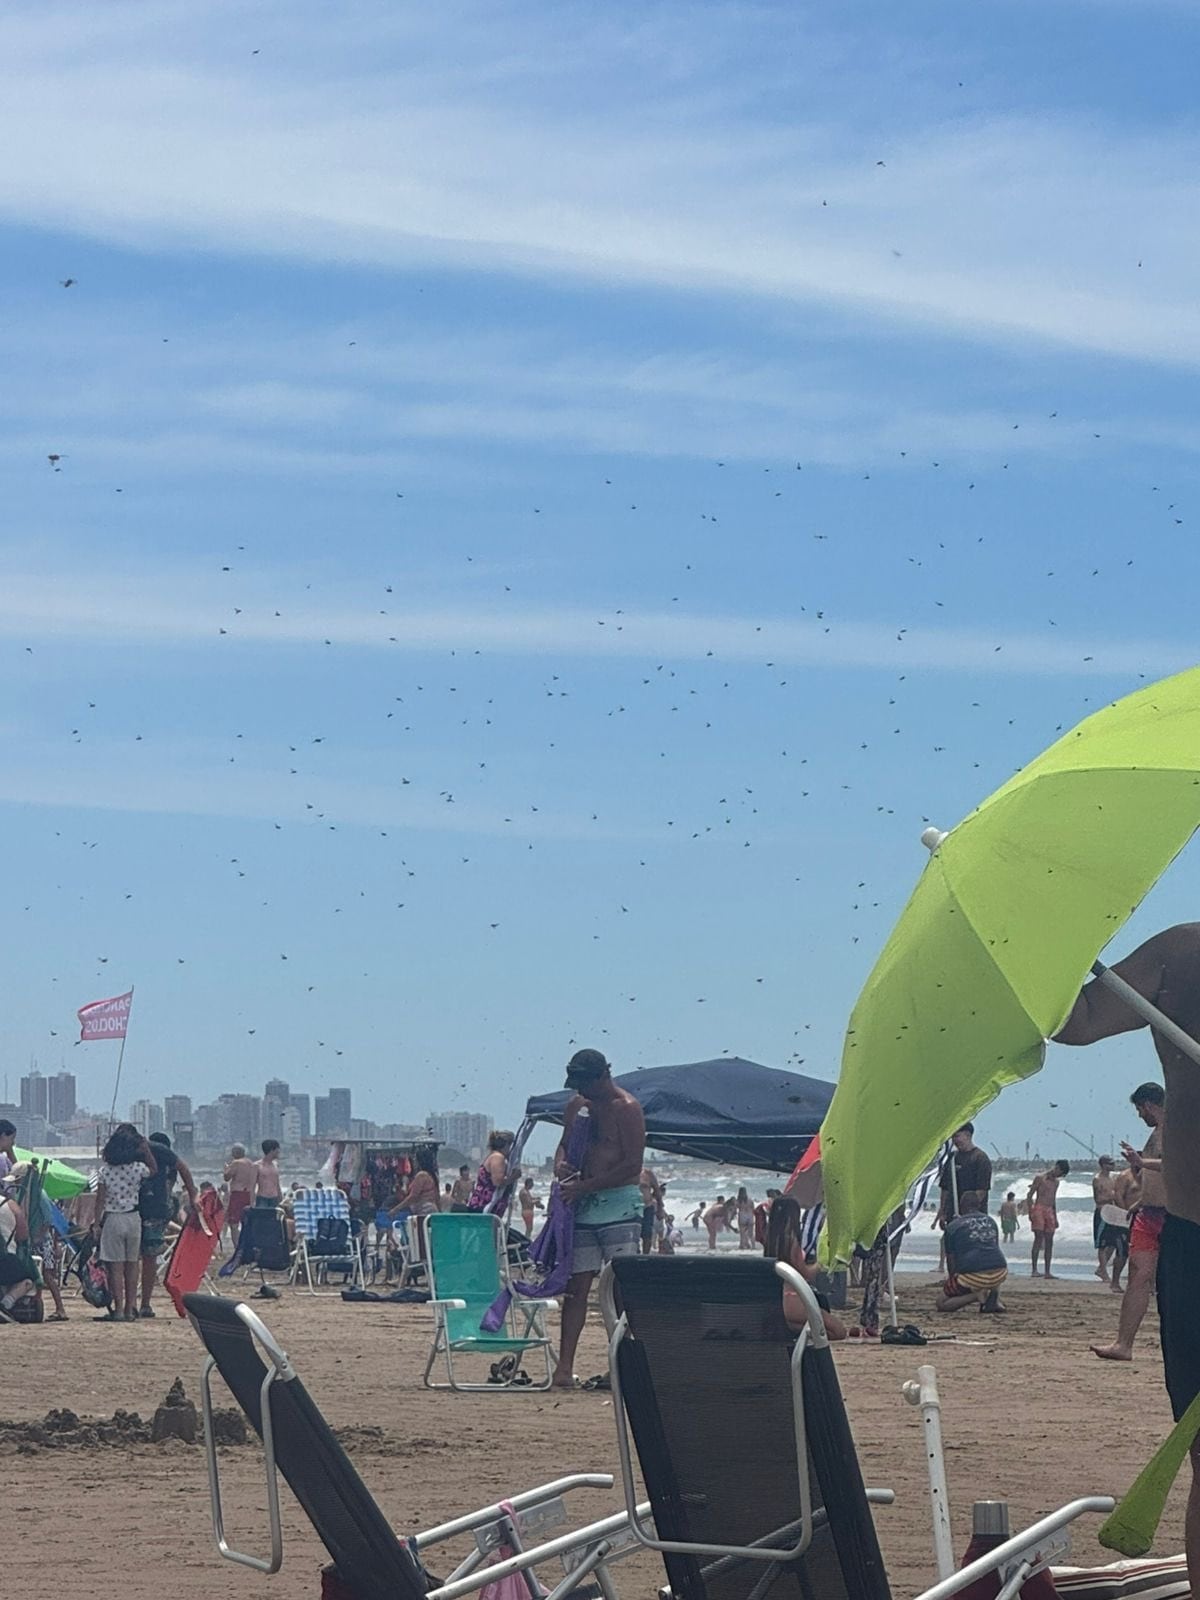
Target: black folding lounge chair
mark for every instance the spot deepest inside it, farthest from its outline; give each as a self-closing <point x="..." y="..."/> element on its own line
<point x="371" y="1561"/>
<point x="743" y="1440"/>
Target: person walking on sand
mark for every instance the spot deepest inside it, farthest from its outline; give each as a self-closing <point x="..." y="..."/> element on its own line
<point x="1102" y="1195"/>
<point x="1042" y="1200"/>
<point x="156" y="1207"/>
<point x="239" y="1175"/>
<point x="1166" y="971"/>
<point x="604" y="1192"/>
<point x="1145" y="1231"/>
<point x="125" y="1160"/>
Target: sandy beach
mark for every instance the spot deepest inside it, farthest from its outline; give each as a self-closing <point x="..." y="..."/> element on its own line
<point x="1029" y="1415"/>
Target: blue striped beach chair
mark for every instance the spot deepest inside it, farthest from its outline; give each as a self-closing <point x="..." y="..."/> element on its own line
<point x="315" y="1252"/>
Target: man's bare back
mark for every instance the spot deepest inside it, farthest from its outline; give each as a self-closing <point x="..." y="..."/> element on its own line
<point x="1166" y="971"/>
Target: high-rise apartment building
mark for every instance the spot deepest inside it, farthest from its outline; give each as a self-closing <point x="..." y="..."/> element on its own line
<point x="465" y="1130"/>
<point x="240" y="1119"/>
<point x="35" y="1094"/>
<point x="333" y="1113"/>
<point x="147" y="1117"/>
<point x="60" y="1097"/>
<point x="302" y="1106"/>
<point x="277" y="1089"/>
<point x="289" y="1128"/>
<point x="177" y="1108"/>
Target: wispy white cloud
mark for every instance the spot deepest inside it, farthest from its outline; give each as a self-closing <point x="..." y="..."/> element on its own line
<point x="187" y="611"/>
<point x="558" y="162"/>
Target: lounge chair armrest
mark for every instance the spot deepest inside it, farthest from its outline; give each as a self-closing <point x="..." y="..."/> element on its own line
<point x="546" y="1305"/>
<point x="451" y="1305"/>
<point x="1020" y="1545"/>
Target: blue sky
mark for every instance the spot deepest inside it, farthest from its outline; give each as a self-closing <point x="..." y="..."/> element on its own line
<point x="551" y="500"/>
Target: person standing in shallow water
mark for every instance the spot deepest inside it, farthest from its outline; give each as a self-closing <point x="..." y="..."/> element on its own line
<point x="604" y="1192"/>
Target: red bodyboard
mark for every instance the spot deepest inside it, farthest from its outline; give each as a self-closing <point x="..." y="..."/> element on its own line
<point x="194" y="1249"/>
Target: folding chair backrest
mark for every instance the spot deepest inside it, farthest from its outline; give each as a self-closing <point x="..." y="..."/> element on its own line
<point x="464" y="1264"/>
<point x="707" y="1383"/>
<point x="266" y="1242"/>
<point x="311" y="1206"/>
<point x="370" y="1559"/>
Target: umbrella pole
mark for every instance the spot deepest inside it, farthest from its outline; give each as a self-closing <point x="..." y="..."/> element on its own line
<point x="891" y="1283"/>
<point x="1146" y="1009"/>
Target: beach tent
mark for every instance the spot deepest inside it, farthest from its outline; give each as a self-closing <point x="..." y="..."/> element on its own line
<point x="729" y="1110"/>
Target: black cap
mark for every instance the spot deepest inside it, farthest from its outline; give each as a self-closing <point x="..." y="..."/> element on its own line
<point x="585" y="1065"/>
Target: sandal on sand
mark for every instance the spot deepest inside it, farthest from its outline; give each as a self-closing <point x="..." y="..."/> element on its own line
<point x="908" y="1334"/>
<point x="57" y="1316"/>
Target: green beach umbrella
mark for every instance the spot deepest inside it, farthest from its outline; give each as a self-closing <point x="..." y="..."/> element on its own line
<point x="59" y="1181"/>
<point x="1013" y="908"/>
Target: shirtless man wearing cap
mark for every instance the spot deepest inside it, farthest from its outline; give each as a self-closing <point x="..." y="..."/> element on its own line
<point x="604" y="1192"/>
<point x="1166" y="971"/>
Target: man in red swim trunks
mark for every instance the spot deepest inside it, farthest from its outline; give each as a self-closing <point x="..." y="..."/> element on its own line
<point x="1166" y="971"/>
<point x="1149" y="1101"/>
<point x="1043" y="1212"/>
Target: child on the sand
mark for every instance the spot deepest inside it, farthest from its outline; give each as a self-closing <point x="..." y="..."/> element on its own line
<point x="1008" y="1217"/>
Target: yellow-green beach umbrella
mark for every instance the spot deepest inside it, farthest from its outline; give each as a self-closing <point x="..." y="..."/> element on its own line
<point x="59" y="1181"/>
<point x="1013" y="907"/>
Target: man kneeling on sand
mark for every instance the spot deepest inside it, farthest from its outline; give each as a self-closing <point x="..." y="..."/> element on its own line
<point x="975" y="1263"/>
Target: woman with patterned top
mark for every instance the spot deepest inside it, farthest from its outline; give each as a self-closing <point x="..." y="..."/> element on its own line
<point x="494" y="1172"/>
<point x="125" y="1160"/>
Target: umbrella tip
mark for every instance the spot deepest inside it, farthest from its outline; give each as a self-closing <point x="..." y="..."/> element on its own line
<point x="931" y="838"/>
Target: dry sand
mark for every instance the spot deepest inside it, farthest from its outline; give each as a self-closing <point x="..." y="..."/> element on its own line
<point x="1030" y="1416"/>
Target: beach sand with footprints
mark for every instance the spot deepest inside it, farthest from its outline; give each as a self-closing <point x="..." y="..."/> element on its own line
<point x="1029" y="1416"/>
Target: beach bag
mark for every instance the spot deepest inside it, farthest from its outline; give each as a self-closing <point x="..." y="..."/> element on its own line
<point x="93" y="1282"/>
<point x="516" y="1585"/>
<point x="27" y="1309"/>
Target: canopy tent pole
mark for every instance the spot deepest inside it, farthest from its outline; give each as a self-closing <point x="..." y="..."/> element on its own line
<point x="1147" y="1009"/>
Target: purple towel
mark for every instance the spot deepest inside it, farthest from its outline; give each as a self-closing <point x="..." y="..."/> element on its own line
<point x="551" y="1251"/>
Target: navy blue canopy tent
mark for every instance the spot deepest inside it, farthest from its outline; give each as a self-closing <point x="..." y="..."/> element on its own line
<point x="729" y="1110"/>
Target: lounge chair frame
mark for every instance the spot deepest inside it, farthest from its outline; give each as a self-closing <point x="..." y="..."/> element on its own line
<point x="584" y="1553"/>
<point x="1014" y="1560"/>
<point x="315" y="1267"/>
<point x="526" y="1323"/>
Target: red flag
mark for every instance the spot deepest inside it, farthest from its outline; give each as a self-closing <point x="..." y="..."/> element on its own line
<point x="104" y="1019"/>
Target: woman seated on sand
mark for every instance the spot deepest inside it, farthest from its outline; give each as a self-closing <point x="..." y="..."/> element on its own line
<point x="783" y="1244"/>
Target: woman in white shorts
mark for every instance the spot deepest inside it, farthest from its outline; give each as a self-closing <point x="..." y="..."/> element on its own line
<point x="125" y="1160"/>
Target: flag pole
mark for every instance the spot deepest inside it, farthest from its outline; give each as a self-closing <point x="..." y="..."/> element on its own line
<point x="112" y="1113"/>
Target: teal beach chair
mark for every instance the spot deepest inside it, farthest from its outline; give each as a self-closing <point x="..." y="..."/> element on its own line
<point x="463" y="1260"/>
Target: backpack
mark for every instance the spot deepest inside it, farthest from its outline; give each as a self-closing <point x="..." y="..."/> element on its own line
<point x="332" y="1237"/>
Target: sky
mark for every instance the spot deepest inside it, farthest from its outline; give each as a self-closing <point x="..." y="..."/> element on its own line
<point x="517" y="516"/>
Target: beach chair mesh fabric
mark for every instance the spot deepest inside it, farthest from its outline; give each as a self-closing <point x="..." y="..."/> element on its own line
<point x="265" y="1242"/>
<point x="462" y="1248"/>
<point x="370" y="1559"/>
<point x="707" y="1385"/>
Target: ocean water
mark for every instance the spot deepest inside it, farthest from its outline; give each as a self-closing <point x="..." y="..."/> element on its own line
<point x="691" y="1183"/>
